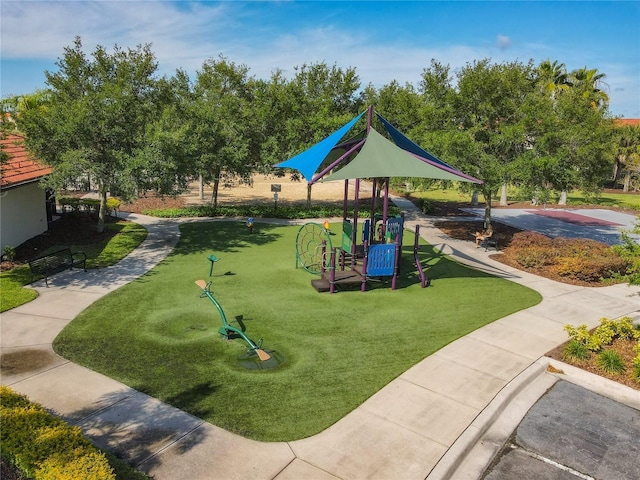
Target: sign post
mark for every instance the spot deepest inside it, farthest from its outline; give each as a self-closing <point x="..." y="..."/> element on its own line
<point x="275" y="188"/>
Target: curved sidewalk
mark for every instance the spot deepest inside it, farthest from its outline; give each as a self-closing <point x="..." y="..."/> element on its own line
<point x="431" y="422"/>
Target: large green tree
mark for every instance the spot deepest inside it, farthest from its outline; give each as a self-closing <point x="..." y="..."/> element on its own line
<point x="93" y="121"/>
<point x="488" y="112"/>
<point x="628" y="155"/>
<point x="220" y="136"/>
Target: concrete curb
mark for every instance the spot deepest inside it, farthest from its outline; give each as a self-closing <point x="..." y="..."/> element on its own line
<point x="462" y="448"/>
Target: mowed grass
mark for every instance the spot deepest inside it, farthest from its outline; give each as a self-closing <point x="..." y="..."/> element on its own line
<point x="158" y="336"/>
<point x="13" y="292"/>
<point x="575" y="198"/>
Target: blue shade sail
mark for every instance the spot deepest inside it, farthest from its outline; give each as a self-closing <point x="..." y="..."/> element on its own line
<point x="307" y="162"/>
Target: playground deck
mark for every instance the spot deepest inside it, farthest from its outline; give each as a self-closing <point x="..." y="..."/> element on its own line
<point x="342" y="277"/>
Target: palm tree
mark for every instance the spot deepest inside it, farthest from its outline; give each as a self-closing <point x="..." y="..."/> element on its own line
<point x="553" y="77"/>
<point x="590" y="82"/>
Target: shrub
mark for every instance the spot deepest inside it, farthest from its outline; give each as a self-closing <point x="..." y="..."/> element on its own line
<point x="610" y="361"/>
<point x="91" y="465"/>
<point x="9" y="253"/>
<point x="87" y="205"/>
<point x="590" y="268"/>
<point x="262" y="211"/>
<point x="530" y="239"/>
<point x="577" y="259"/>
<point x="534" y="257"/>
<point x="622" y="327"/>
<point x="630" y="250"/>
<point x="581" y="335"/>
<point x="43" y="446"/>
<point x="113" y="204"/>
<point x="424" y="205"/>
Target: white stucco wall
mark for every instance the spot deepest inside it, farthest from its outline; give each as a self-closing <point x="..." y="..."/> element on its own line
<point x="23" y="214"/>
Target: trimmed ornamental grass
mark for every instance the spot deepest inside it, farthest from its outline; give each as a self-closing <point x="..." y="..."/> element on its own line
<point x="158" y="336"/>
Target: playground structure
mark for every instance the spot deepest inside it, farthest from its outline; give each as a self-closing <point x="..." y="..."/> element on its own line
<point x="353" y="263"/>
<point x="228" y="331"/>
<point x="368" y="155"/>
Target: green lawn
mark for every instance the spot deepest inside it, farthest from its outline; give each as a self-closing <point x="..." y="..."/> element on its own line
<point x="158" y="336"/>
<point x="102" y="254"/>
<point x="575" y="198"/>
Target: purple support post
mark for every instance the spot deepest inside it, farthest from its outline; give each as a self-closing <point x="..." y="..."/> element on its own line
<point x="354" y="231"/>
<point x="324" y="252"/>
<point x="385" y="205"/>
<point x="332" y="271"/>
<point x="363" y="286"/>
<point x="345" y="199"/>
<point x="372" y="224"/>
<point x="396" y="263"/>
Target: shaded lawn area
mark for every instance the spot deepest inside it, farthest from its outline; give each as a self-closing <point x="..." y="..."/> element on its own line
<point x="78" y="233"/>
<point x="158" y="336"/>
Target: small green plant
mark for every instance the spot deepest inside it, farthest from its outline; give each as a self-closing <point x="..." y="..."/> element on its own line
<point x="581" y="335"/>
<point x="576" y="351"/>
<point x="9" y="253"/>
<point x="610" y="361"/>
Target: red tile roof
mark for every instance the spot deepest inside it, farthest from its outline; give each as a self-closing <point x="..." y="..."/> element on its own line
<point x="627" y="121"/>
<point x="20" y="167"/>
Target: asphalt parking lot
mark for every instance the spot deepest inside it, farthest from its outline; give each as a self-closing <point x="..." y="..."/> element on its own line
<point x="572" y="433"/>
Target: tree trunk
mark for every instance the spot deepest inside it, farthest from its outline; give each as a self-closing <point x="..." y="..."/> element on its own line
<point x="214" y="194"/>
<point x="474" y="198"/>
<point x="503" y="195"/>
<point x="200" y="187"/>
<point x="627" y="182"/>
<point x="487" y="209"/>
<point x="102" y="212"/>
<point x="563" y="197"/>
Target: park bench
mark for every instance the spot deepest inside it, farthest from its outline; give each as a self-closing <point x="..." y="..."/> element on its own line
<point x="55" y="262"/>
<point x="489" y="241"/>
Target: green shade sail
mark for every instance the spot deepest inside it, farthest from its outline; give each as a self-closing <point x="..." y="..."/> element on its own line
<point x="380" y="158"/>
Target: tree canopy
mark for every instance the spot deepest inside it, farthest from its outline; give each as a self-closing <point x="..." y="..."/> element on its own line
<point x="107" y="118"/>
<point x="92" y="123"/>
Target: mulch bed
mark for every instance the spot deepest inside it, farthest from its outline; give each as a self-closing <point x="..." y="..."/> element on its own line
<point x="9" y="472"/>
<point x="626" y="349"/>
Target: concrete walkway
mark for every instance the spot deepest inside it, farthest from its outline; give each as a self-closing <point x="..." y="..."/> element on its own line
<point x="444" y="418"/>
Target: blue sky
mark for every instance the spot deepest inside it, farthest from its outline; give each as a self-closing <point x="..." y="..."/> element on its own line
<point x="382" y="40"/>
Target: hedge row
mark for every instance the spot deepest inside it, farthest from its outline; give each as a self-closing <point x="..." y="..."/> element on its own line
<point x="578" y="259"/>
<point x="90" y="205"/>
<point x="44" y="447"/>
<point x="261" y="211"/>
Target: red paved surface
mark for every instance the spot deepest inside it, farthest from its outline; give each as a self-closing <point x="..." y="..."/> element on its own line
<point x="574" y="218"/>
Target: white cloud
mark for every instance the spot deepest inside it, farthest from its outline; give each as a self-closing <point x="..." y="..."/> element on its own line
<point x="503" y="42"/>
<point x="185" y="34"/>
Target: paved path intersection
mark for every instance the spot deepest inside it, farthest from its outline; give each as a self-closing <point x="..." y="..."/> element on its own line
<point x="444" y="418"/>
